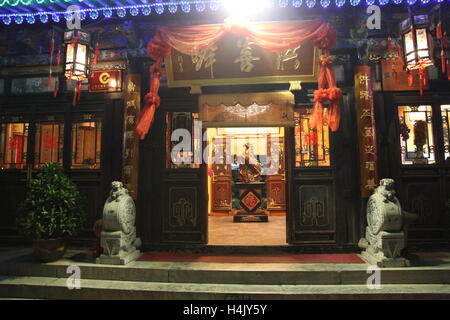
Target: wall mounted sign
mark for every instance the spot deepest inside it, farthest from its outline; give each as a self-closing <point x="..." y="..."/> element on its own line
<point x="105" y="81"/>
<point x="130" y="162"/>
<point x="235" y="60"/>
<point x="366" y="130"/>
<point x="399" y="83"/>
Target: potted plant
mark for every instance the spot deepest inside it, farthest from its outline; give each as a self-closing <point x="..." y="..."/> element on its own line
<point x="52" y="211"/>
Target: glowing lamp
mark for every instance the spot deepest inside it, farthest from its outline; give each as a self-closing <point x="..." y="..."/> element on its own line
<point x="244" y="9"/>
<point x="77" y="45"/>
<point x="417" y="42"/>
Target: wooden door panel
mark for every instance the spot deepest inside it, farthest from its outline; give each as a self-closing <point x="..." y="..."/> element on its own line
<point x="314" y="212"/>
<point x="221" y="194"/>
<point x="276" y="193"/>
<point x="183" y="205"/>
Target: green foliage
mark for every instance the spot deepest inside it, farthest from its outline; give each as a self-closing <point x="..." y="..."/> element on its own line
<point x="53" y="207"/>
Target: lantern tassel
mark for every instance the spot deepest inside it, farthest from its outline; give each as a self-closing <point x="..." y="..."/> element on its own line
<point x="58" y="60"/>
<point x="97" y="51"/>
<point x="448" y="69"/>
<point x="410" y="78"/>
<point x="394" y="72"/>
<point x="439" y="31"/>
<point x="389" y="44"/>
<point x="443" y="62"/>
<point x="55" y="90"/>
<point x="422" y="79"/>
<point x="79" y="90"/>
<point x="74" y="99"/>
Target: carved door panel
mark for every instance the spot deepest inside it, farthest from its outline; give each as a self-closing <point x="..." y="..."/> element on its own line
<point x="221" y="180"/>
<point x="276" y="193"/>
<point x="183" y="194"/>
<point x="321" y="180"/>
<point x="221" y="194"/>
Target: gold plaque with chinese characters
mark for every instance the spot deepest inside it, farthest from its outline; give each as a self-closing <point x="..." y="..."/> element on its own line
<point x="236" y="60"/>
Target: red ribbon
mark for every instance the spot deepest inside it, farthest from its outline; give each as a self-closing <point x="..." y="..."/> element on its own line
<point x="55" y="90"/>
<point x="97" y="51"/>
<point x="58" y="60"/>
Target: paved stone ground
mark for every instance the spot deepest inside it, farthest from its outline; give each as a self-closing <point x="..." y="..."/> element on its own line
<point x="223" y="231"/>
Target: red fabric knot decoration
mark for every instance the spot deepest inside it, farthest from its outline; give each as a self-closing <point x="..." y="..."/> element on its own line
<point x="326" y="37"/>
<point x="151" y="98"/>
<point x="325" y="60"/>
<point x="321" y="96"/>
<point x="158" y="49"/>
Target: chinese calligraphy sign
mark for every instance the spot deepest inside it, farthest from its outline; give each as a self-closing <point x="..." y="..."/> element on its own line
<point x="366" y="130"/>
<point x="237" y="60"/>
<point x="130" y="155"/>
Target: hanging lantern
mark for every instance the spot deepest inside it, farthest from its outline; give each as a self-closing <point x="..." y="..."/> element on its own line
<point x="77" y="44"/>
<point x="417" y="45"/>
<point x="417" y="42"/>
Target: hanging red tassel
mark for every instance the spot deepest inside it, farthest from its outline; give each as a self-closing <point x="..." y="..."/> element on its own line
<point x="422" y="79"/>
<point x="74" y="99"/>
<point x="443" y="64"/>
<point x="448" y="69"/>
<point x="58" y="60"/>
<point x="394" y="72"/>
<point x="439" y="31"/>
<point x="389" y="44"/>
<point x="97" y="51"/>
<point x="55" y="90"/>
<point x="79" y="90"/>
<point x="410" y="78"/>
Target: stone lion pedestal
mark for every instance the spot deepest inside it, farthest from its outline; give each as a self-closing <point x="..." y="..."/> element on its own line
<point x="118" y="238"/>
<point x="386" y="231"/>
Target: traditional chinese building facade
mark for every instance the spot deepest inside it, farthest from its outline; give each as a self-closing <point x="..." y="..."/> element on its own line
<point x="229" y="94"/>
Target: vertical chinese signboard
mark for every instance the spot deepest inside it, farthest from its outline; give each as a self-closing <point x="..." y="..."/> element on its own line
<point x="130" y="153"/>
<point x="366" y="130"/>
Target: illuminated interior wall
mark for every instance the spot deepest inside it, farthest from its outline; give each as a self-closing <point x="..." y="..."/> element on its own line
<point x="238" y="137"/>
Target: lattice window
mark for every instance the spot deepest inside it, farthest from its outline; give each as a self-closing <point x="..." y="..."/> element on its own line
<point x="445" y="113"/>
<point x="86" y="142"/>
<point x="183" y="159"/>
<point x="416" y="135"/>
<point x="49" y="141"/>
<point x="13" y="144"/>
<point x="312" y="146"/>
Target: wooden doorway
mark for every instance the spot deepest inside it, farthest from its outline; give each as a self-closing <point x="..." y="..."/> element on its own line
<point x="225" y="154"/>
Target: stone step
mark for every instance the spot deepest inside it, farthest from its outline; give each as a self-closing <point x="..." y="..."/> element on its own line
<point x="229" y="273"/>
<point x="56" y="288"/>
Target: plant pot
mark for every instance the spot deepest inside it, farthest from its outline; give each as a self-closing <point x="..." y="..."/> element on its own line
<point x="48" y="250"/>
